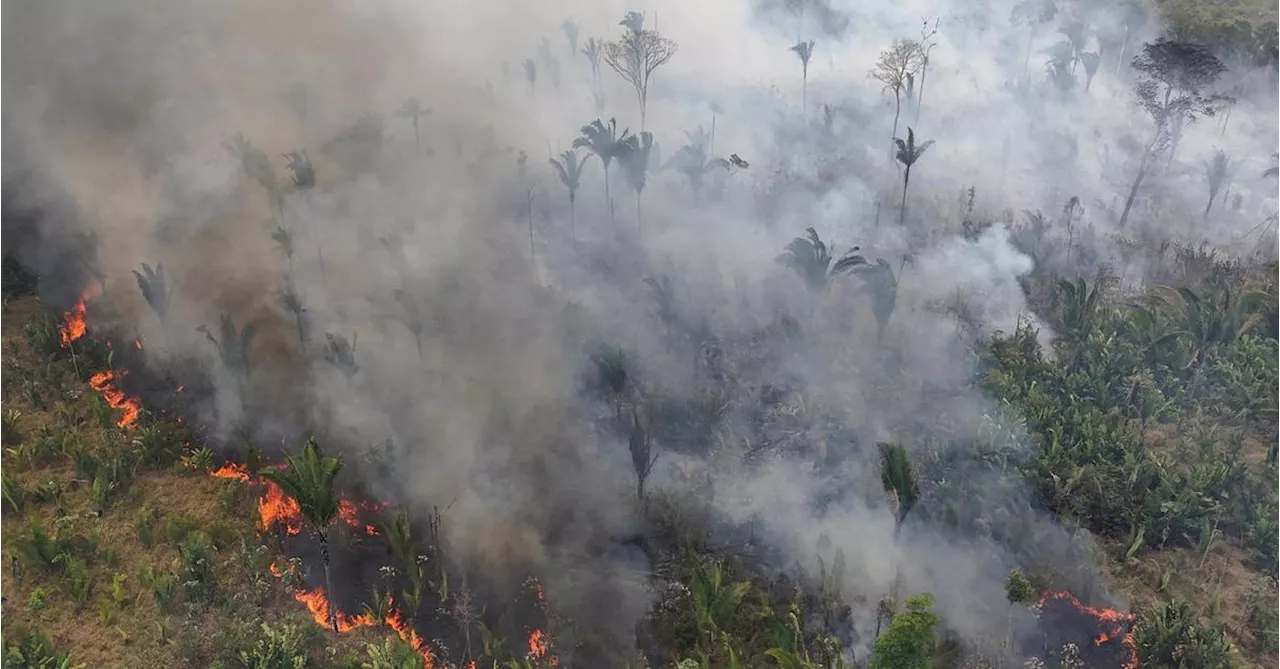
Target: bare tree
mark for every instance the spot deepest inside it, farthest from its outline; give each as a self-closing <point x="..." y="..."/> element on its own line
<point x="635" y="57"/>
<point x="592" y="51"/>
<point x="805" y="51"/>
<point x="926" y="46"/>
<point x="1172" y="81"/>
<point x="895" y="65"/>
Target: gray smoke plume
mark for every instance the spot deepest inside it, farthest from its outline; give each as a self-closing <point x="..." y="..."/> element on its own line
<point x="410" y="277"/>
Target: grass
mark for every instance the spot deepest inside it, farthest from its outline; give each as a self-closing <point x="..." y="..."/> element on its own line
<point x="102" y="598"/>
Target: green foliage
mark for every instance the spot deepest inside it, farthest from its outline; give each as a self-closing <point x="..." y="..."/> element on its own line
<point x="278" y="647"/>
<point x="78" y="581"/>
<point x="715" y="600"/>
<point x="35" y="651"/>
<point x="309" y="479"/>
<point x="10" y="433"/>
<point x="1170" y="636"/>
<point x="899" y="481"/>
<point x="1017" y="589"/>
<point x="810" y="258"/>
<point x="910" y="639"/>
<point x="40" y="550"/>
<point x="392" y="653"/>
<point x="197" y="574"/>
<point x="163" y="586"/>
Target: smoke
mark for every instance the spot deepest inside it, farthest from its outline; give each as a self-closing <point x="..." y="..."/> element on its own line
<point x="444" y="306"/>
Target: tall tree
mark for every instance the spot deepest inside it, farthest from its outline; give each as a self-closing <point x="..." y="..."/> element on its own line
<point x="895" y="65"/>
<point x="155" y="290"/>
<point x="926" y="45"/>
<point x="810" y="258"/>
<point x="1091" y="61"/>
<point x="1032" y="14"/>
<point x="570" y="28"/>
<point x="635" y="57"/>
<point x="881" y="284"/>
<point x="635" y="159"/>
<point x="309" y="480"/>
<point x="1173" y="83"/>
<point x="414" y="111"/>
<point x="1216" y="172"/>
<point x="569" y="169"/>
<point x="908" y="153"/>
<point x="592" y="51"/>
<point x="804" y="50"/>
<point x="603" y="140"/>
<point x="692" y="161"/>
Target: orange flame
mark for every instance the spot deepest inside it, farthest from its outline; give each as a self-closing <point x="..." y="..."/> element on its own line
<point x="537" y="645"/>
<point x="349" y="512"/>
<point x="103" y="382"/>
<point x="74" y="325"/>
<point x="232" y="470"/>
<point x="138" y="344"/>
<point x="1112" y="622"/>
<point x="318" y="604"/>
<point x="277" y="507"/>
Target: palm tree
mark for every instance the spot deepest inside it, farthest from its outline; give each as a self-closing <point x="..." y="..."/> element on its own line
<point x="715" y="600"/>
<point x="1091" y="61"/>
<point x="908" y="153"/>
<point x="569" y="169"/>
<point x="805" y="51"/>
<point x="155" y="290"/>
<point x="1216" y="172"/>
<point x="692" y="161"/>
<point x="309" y="480"/>
<point x="592" y="52"/>
<point x="635" y="160"/>
<point x="413" y="110"/>
<point x="604" y="141"/>
<point x="256" y="166"/>
<point x="811" y="259"/>
<point x="879" y="281"/>
<point x="899" y="483"/>
<point x="570" y="28"/>
<point x="293" y="304"/>
<point x="304" y="179"/>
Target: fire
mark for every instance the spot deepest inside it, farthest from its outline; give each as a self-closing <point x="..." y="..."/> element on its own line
<point x="138" y="343"/>
<point x="179" y="389"/>
<point x="231" y="470"/>
<point x="318" y="604"/>
<point x="277" y="507"/>
<point x="74" y="325"/>
<point x="349" y="512"/>
<point x="103" y="382"/>
<point x="1112" y="624"/>
<point x="537" y="645"/>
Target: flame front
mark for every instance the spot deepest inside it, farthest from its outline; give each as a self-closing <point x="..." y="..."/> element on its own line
<point x="104" y="382"/>
<point x="277" y="507"/>
<point x="1113" y="624"/>
<point x="318" y="604"/>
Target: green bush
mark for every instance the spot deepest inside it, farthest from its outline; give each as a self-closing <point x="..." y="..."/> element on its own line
<point x="1170" y="635"/>
<point x="279" y="647"/>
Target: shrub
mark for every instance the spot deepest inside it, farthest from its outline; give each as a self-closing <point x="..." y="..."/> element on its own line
<point x="1170" y="635"/>
<point x="279" y="647"/>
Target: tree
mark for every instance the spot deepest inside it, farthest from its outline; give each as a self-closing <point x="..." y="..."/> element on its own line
<point x="592" y="52"/>
<point x="899" y="481"/>
<point x="1017" y="590"/>
<point x="926" y="47"/>
<point x="810" y="258"/>
<point x="309" y="480"/>
<point x="1173" y="78"/>
<point x="1091" y="61"/>
<point x="879" y="281"/>
<point x="155" y="290"/>
<point x="635" y="57"/>
<point x="893" y="68"/>
<point x="530" y="72"/>
<point x="604" y="141"/>
<point x="692" y="161"/>
<point x="804" y="50"/>
<point x="635" y="159"/>
<point x="908" y="153"/>
<point x="715" y="600"/>
<point x="413" y="110"/>
<point x="1032" y="14"/>
<point x="640" y="443"/>
<point x="293" y="304"/>
<point x="256" y="166"/>
<point x="569" y="169"/>
<point x="1216" y="172"/>
<point x="304" y="179"/>
<point x="527" y="183"/>
<point x="570" y="28"/>
<point x="910" y="639"/>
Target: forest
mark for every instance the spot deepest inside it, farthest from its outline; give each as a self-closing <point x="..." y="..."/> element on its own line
<point x="745" y="334"/>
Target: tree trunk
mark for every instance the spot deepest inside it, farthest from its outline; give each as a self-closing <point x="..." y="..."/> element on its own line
<point x="1212" y="196"/>
<point x="302" y="332"/>
<point x="897" y="111"/>
<point x="1137" y="182"/>
<point x="639" y="216"/>
<point x="1026" y="61"/>
<point x="1088" y="81"/>
<point x="532" y="253"/>
<point x="573" y="220"/>
<point x="906" y="179"/>
<point x="804" y="91"/>
<point x="323" y="538"/>
<point x="920" y="94"/>
<point x="608" y="199"/>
